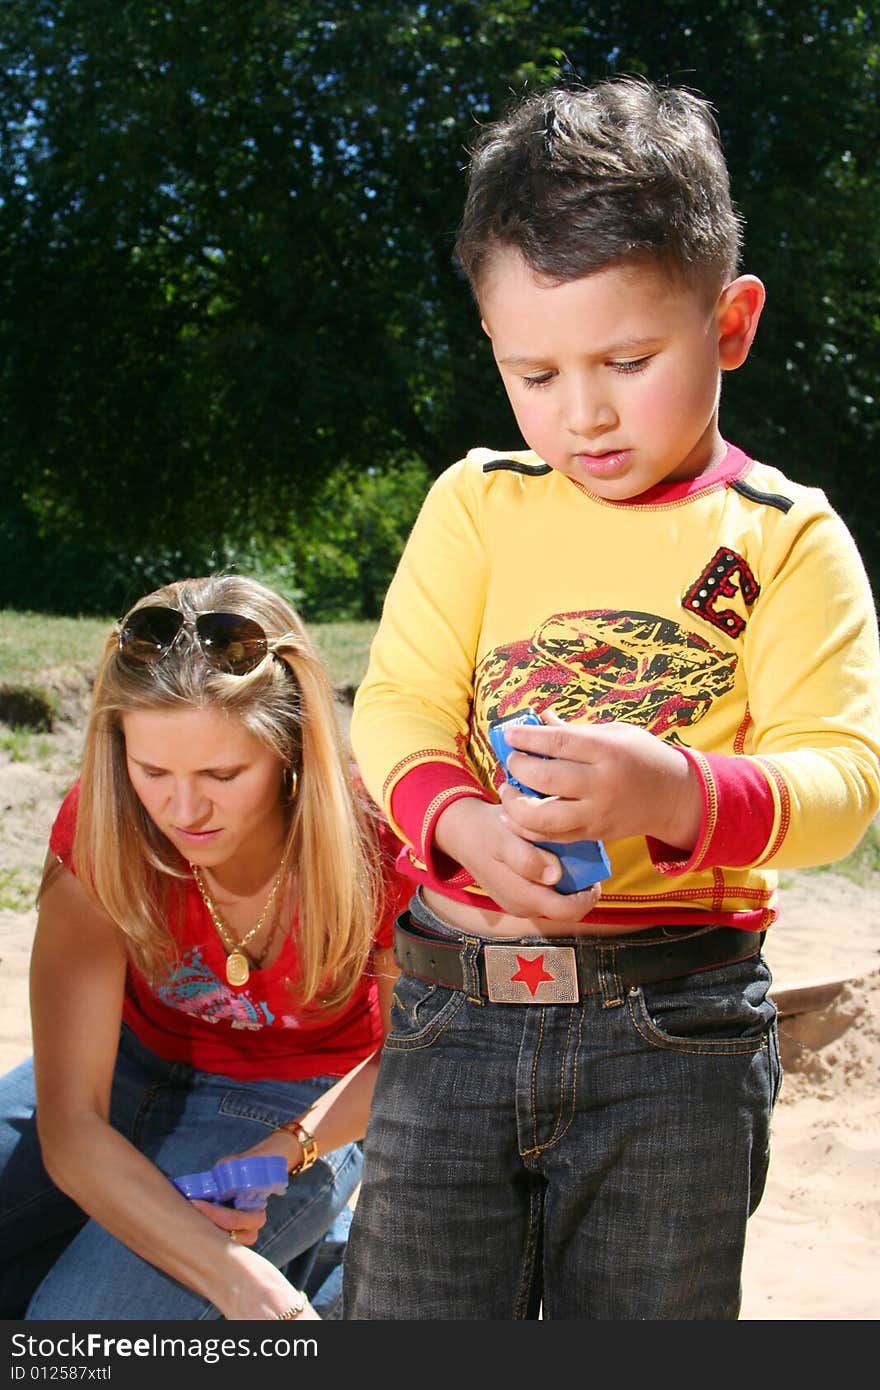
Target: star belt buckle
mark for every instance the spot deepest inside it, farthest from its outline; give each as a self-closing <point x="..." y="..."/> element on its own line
<point x="531" y="974"/>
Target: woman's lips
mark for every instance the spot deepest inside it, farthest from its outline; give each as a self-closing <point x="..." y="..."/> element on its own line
<point x="196" y="837"/>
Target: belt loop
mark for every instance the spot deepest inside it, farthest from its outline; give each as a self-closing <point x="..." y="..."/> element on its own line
<point x="470" y="951"/>
<point x="609" y="983"/>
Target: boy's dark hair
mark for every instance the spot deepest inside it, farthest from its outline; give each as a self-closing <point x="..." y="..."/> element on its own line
<point x="579" y="179"/>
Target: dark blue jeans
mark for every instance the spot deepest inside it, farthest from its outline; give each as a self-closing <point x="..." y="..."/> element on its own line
<point x="597" y="1160"/>
<point x="57" y="1264"/>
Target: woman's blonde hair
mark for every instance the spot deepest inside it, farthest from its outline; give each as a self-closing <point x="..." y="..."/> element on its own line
<point x="131" y="869"/>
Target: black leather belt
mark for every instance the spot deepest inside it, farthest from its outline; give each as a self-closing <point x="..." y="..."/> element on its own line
<point x="550" y="974"/>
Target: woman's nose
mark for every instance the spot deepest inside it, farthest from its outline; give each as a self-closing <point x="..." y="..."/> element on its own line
<point x="188" y="805"/>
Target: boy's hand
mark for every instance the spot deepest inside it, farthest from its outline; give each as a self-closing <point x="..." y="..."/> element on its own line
<point x="607" y="781"/>
<point x="517" y="875"/>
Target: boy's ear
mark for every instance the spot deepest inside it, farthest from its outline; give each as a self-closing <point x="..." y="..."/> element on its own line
<point x="738" y="311"/>
<point x="485" y="327"/>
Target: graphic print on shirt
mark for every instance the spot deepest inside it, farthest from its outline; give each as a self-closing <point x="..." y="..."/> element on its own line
<point x="193" y="988"/>
<point x="726" y="577"/>
<point x="601" y="665"/>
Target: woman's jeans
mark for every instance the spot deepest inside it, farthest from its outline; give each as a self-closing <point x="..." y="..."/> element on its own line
<point x="596" y="1160"/>
<point x="57" y="1264"/>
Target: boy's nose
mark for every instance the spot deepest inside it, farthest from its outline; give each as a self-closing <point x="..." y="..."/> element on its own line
<point x="589" y="414"/>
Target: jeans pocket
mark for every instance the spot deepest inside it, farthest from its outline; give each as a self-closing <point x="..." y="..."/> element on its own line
<point x="270" y="1103"/>
<point x="776" y="1068"/>
<point x="420" y="1012"/>
<point x="724" y="1011"/>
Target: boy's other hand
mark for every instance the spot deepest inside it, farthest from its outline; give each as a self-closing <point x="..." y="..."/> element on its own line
<point x="516" y="873"/>
<point x="604" y="781"/>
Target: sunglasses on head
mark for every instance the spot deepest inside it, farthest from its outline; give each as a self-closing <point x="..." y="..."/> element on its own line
<point x="227" y="641"/>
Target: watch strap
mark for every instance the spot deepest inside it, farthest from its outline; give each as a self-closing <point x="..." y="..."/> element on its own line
<point x="309" y="1145"/>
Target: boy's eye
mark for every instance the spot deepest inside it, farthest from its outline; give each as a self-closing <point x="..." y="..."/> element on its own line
<point x="540" y="380"/>
<point x="635" y="364"/>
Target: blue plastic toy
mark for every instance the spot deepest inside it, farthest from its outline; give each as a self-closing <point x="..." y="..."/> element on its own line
<point x="584" y="862"/>
<point x="245" y="1182"/>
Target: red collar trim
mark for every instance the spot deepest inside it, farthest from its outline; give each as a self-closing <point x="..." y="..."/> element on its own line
<point x="733" y="465"/>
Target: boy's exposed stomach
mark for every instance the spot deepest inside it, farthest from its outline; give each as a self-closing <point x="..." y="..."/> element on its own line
<point x="481" y="921"/>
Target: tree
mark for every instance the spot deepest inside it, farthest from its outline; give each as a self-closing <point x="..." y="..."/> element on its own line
<point x="226" y="254"/>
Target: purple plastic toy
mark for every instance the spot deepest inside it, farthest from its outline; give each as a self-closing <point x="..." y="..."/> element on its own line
<point x="246" y="1182"/>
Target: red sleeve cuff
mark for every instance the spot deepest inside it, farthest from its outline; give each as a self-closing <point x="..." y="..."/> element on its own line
<point x="738" y="816"/>
<point x="417" y="801"/>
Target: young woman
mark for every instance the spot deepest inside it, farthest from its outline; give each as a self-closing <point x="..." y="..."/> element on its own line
<point x="210" y="976"/>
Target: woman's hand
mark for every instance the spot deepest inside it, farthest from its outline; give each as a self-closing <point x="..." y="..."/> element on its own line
<point x="278" y="1143"/>
<point x="257" y="1290"/>
<point x="241" y="1226"/>
<point x="78" y="969"/>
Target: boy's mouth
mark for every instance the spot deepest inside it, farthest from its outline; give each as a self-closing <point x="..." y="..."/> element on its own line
<point x="608" y="465"/>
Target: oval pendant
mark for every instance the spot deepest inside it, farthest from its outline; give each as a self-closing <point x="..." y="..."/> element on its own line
<point x="237" y="968"/>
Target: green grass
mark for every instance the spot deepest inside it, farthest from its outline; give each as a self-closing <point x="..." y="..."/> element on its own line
<point x="23" y="745"/>
<point x="344" y="649"/>
<point x="32" y="643"/>
<point x="18" y="889"/>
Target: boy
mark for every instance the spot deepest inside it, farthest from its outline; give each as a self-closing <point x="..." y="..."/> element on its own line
<point x="574" y="1101"/>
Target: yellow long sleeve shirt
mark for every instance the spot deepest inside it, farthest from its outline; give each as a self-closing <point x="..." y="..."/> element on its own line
<point x="729" y="614"/>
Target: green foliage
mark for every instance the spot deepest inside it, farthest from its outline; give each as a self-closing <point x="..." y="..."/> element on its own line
<point x="343" y="548"/>
<point x="336" y="553"/>
<point x="225" y="266"/>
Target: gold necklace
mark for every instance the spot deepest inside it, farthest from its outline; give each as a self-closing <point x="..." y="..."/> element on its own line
<point x="237" y="965"/>
<point x="273" y="932"/>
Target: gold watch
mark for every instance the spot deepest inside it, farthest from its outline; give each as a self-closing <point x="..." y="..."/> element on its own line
<point x="309" y="1145"/>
